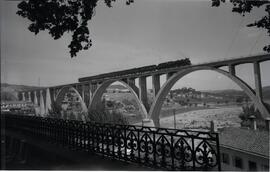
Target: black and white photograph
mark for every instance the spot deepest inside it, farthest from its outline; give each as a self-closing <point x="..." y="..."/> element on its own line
<point x="135" y="85"/>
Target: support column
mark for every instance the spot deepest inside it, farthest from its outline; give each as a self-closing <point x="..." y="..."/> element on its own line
<point x="54" y="94"/>
<point x="125" y="80"/>
<point x="29" y="96"/>
<point x="168" y="75"/>
<point x="257" y="79"/>
<point x="23" y="96"/>
<point x="94" y="87"/>
<point x="48" y="104"/>
<point x="143" y="92"/>
<point x="83" y="90"/>
<point x="267" y="124"/>
<point x="156" y="122"/>
<point x="41" y="104"/>
<point x="35" y="98"/>
<point x="90" y="92"/>
<point x="131" y="83"/>
<point x="99" y="84"/>
<point x="155" y="84"/>
<point x="232" y="69"/>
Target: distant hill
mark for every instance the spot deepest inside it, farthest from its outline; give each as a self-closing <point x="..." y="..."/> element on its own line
<point x="232" y="92"/>
<point x="120" y="87"/>
<point x="13" y="87"/>
<point x="226" y="92"/>
<point x="9" y="91"/>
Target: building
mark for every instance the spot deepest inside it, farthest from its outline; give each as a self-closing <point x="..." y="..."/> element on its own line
<point x="244" y="149"/>
<point x="17" y="106"/>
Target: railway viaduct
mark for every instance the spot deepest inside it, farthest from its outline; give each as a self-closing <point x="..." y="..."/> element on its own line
<point x="90" y="91"/>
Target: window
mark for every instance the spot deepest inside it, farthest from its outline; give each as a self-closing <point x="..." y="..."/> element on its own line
<point x="225" y="158"/>
<point x="265" y="167"/>
<point x="252" y="165"/>
<point x="238" y="162"/>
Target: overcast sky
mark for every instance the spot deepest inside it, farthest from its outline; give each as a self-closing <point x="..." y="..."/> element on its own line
<point x="144" y="33"/>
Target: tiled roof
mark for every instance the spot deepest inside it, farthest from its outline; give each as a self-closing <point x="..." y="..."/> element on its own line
<point x="252" y="141"/>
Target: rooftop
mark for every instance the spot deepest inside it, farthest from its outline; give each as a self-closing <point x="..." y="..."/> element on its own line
<point x="247" y="140"/>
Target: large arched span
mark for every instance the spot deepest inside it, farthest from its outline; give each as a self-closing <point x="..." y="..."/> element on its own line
<point x="157" y="104"/>
<point x="96" y="99"/>
<point x="64" y="90"/>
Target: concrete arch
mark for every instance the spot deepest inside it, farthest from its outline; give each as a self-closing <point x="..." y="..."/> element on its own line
<point x="96" y="99"/>
<point x="157" y="104"/>
<point x="63" y="91"/>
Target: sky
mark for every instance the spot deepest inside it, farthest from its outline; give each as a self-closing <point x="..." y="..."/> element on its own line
<point x="144" y="33"/>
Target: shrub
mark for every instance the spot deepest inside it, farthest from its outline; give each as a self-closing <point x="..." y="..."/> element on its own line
<point x="105" y="116"/>
<point x="249" y="111"/>
<point x="55" y="112"/>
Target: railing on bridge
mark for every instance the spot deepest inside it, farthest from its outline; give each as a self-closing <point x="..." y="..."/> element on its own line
<point x="155" y="147"/>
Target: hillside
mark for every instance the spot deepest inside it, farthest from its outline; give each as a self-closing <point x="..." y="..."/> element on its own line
<point x="9" y="91"/>
<point x="232" y="92"/>
<point x="120" y="87"/>
<point x="13" y="87"/>
<point x="225" y="92"/>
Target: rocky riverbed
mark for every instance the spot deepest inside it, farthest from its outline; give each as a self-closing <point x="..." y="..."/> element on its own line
<point x="200" y="119"/>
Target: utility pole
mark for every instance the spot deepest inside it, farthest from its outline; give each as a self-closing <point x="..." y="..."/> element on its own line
<point x="174" y="119"/>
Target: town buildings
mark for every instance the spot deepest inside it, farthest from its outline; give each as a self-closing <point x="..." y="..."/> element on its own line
<point x="17" y="106"/>
<point x="243" y="149"/>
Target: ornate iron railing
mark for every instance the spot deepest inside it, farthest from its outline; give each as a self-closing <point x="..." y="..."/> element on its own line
<point x="154" y="147"/>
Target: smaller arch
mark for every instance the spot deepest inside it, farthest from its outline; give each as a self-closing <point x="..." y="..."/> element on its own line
<point x="96" y="99"/>
<point x="157" y="104"/>
<point x="63" y="91"/>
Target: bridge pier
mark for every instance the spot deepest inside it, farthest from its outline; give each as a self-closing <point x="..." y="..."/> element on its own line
<point x="90" y="92"/>
<point x="125" y="80"/>
<point x="48" y="101"/>
<point x="83" y="91"/>
<point x="168" y="75"/>
<point x="257" y="78"/>
<point x="156" y="84"/>
<point x="35" y="98"/>
<point x="131" y="83"/>
<point x="23" y="96"/>
<point x="232" y="69"/>
<point x="94" y="87"/>
<point x="29" y="97"/>
<point x="41" y="104"/>
<point x="143" y="92"/>
<point x="54" y="94"/>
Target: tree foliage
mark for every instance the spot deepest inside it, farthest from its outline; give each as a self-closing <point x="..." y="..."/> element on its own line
<point x="63" y="16"/>
<point x="55" y="111"/>
<point x="245" y="6"/>
<point x="249" y="111"/>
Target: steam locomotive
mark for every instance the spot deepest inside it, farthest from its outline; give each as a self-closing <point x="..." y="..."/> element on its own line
<point x="170" y="64"/>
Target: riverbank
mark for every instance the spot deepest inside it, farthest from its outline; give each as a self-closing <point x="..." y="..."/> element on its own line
<point x="200" y="119"/>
